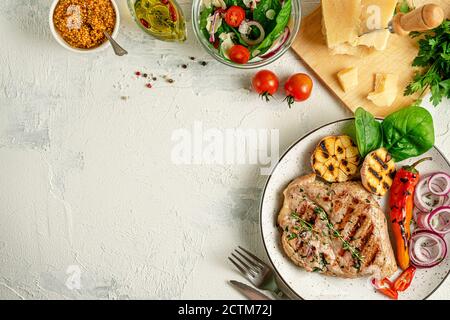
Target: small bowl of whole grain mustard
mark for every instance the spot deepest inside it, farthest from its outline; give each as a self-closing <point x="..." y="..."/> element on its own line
<point x="78" y="25"/>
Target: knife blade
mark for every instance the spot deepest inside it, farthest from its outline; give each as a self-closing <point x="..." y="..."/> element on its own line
<point x="248" y="291"/>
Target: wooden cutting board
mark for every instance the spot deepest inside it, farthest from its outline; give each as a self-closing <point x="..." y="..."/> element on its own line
<point x="310" y="45"/>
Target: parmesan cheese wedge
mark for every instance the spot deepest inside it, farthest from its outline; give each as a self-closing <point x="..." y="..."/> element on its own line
<point x="375" y="39"/>
<point x="341" y="19"/>
<point x="386" y="89"/>
<point x="348" y="78"/>
<point x="352" y="25"/>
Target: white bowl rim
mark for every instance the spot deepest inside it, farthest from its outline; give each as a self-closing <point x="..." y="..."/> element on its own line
<point x="64" y="44"/>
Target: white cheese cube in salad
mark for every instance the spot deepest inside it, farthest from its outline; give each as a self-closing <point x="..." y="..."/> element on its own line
<point x="227" y="43"/>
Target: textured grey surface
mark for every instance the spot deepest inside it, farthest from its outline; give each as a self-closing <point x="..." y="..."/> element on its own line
<point x="86" y="178"/>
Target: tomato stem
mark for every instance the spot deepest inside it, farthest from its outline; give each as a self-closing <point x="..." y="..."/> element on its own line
<point x="290" y="100"/>
<point x="266" y="95"/>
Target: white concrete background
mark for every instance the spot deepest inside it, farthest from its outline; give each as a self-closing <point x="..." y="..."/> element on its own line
<point x="86" y="177"/>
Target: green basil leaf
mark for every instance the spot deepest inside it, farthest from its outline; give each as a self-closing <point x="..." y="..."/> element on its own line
<point x="368" y="132"/>
<point x="408" y="132"/>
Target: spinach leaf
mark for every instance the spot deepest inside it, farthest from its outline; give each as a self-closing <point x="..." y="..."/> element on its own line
<point x="239" y="37"/>
<point x="408" y="132"/>
<point x="368" y="132"/>
<point x="281" y="22"/>
<point x="259" y="14"/>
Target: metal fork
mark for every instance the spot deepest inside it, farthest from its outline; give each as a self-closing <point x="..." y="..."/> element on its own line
<point x="256" y="271"/>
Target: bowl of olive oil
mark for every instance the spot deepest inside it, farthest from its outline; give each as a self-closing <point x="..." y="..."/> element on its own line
<point x="162" y="19"/>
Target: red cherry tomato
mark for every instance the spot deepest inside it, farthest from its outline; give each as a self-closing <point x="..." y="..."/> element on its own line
<point x="298" y="88"/>
<point x="234" y="16"/>
<point x="265" y="83"/>
<point x="404" y="280"/>
<point x="239" y="54"/>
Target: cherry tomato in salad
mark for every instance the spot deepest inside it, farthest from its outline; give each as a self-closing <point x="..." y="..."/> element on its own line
<point x="234" y="16"/>
<point x="239" y="54"/>
<point x="265" y="83"/>
<point x="298" y="88"/>
<point x="385" y="286"/>
<point x="404" y="280"/>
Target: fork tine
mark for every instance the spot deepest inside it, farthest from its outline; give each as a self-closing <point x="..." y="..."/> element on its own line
<point x="246" y="266"/>
<point x="254" y="264"/>
<point x="239" y="267"/>
<point x="261" y="263"/>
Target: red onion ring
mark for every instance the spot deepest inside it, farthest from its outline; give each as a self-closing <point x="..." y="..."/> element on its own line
<point x="441" y="219"/>
<point x="437" y="188"/>
<point x="427" y="249"/>
<point x="262" y="34"/>
<point x="432" y="200"/>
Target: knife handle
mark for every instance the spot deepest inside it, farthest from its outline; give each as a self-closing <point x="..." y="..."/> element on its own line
<point x="424" y="18"/>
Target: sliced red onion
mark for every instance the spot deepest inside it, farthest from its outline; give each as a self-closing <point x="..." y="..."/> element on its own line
<point x="214" y="27"/>
<point x="261" y="37"/>
<point x="427" y="249"/>
<point x="439" y="183"/>
<point x="439" y="220"/>
<point x="426" y="200"/>
<point x="276" y="46"/>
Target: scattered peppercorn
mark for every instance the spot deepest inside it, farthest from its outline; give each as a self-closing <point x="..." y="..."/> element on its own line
<point x="184" y="66"/>
<point x="154" y="78"/>
<point x="145" y="75"/>
<point x="203" y="63"/>
<point x="192" y="58"/>
<point x="170" y="80"/>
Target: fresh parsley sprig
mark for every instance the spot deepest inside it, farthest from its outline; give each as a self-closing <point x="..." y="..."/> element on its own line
<point x="434" y="59"/>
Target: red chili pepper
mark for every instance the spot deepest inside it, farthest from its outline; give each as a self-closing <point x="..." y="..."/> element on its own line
<point x="404" y="280"/>
<point x="385" y="287"/>
<point x="164" y="1"/>
<point x="173" y="12"/>
<point x="401" y="203"/>
<point x="145" y="23"/>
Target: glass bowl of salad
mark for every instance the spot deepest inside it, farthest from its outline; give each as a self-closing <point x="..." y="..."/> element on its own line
<point x="246" y="34"/>
<point x="162" y="19"/>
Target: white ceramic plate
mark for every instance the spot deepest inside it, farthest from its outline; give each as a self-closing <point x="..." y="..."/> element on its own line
<point x="307" y="285"/>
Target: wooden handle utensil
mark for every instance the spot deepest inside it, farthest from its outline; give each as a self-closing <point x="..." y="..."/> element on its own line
<point x="424" y="18"/>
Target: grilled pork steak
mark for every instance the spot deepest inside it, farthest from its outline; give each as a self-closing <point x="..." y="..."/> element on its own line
<point x="336" y="229"/>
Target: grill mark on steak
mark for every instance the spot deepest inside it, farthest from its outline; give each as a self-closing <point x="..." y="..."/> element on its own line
<point x="345" y="219"/>
<point x="369" y="261"/>
<point x="365" y="238"/>
<point x="356" y="226"/>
